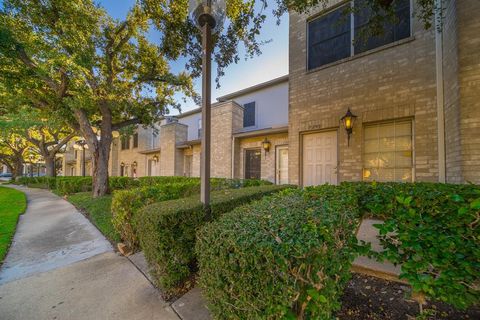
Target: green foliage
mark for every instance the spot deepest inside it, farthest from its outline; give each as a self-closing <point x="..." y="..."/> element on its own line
<point x="155" y="189"/>
<point x="286" y="256"/>
<point x="74" y="184"/>
<point x="12" y="204"/>
<point x="167" y="231"/>
<point x="98" y="211"/>
<point x="127" y="202"/>
<point x="432" y="230"/>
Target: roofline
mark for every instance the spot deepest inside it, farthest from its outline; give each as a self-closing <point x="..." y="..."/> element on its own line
<point x="253" y="88"/>
<point x="229" y="96"/>
<point x="260" y="132"/>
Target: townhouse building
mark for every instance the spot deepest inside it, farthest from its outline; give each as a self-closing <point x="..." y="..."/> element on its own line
<point x="413" y="94"/>
<point x="249" y="140"/>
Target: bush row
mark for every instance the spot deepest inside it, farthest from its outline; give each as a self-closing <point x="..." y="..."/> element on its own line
<point x="126" y="203"/>
<point x="167" y="231"/>
<point x="288" y="255"/>
<point x="69" y="185"/>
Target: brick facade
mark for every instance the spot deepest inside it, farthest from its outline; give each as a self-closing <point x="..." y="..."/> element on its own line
<point x="391" y="82"/>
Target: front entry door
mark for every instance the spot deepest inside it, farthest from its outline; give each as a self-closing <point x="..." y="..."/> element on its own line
<point x="282" y="165"/>
<point x="253" y="164"/>
<point x="320" y="158"/>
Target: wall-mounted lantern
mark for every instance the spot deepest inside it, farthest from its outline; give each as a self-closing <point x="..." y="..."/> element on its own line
<point x="348" y="121"/>
<point x="266" y="145"/>
<point x="134" y="164"/>
<point x="155" y="158"/>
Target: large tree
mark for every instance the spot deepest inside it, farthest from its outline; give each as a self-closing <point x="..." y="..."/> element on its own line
<point x="244" y="21"/>
<point x="97" y="73"/>
<point x="13" y="150"/>
<point x="46" y="135"/>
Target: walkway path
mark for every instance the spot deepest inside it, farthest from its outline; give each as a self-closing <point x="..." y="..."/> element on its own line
<point x="61" y="267"/>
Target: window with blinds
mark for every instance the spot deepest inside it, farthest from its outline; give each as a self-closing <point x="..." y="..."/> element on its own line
<point x="125" y="143"/>
<point x="388" y="152"/>
<point x="329" y="38"/>
<point x="342" y="33"/>
<point x="392" y="30"/>
<point x="249" y="115"/>
<point x="135" y="140"/>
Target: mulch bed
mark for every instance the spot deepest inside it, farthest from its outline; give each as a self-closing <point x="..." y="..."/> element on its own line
<point x="371" y="298"/>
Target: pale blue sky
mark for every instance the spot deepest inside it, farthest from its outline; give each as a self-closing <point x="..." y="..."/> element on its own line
<point x="271" y="64"/>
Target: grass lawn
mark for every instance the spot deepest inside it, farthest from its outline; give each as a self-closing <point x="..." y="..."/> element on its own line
<point x="99" y="212"/>
<point x="12" y="204"/>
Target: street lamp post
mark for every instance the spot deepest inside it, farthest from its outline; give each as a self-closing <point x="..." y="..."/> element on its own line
<point x="208" y="15"/>
<point x="82" y="145"/>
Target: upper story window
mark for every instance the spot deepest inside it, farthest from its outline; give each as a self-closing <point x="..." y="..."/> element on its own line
<point x="135" y="140"/>
<point x="392" y="31"/>
<point x="331" y="37"/>
<point x="249" y="115"/>
<point x="199" y="128"/>
<point x="125" y="143"/>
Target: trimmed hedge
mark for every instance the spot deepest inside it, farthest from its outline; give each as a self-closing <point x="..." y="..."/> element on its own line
<point x="126" y="203"/>
<point x="215" y="182"/>
<point x="70" y="185"/>
<point x="155" y="189"/>
<point x="167" y="231"/>
<point x="285" y="256"/>
<point x="259" y="261"/>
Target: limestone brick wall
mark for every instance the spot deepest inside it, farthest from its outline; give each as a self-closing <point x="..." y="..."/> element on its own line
<point x="226" y="118"/>
<point x="171" y="158"/>
<point x="451" y="89"/>
<point x="391" y="82"/>
<point x="468" y="24"/>
<point x="268" y="160"/>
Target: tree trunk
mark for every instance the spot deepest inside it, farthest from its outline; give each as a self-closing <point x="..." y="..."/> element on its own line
<point x="50" y="166"/>
<point x="100" y="169"/>
<point x="18" y="169"/>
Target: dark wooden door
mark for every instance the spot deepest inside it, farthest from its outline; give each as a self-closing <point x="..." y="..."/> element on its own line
<point x="253" y="164"/>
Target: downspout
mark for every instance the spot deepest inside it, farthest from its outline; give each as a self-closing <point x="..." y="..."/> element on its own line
<point x="233" y="157"/>
<point x="440" y="91"/>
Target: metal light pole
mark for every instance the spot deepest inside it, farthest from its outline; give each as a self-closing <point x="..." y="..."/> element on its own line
<point x="208" y="15"/>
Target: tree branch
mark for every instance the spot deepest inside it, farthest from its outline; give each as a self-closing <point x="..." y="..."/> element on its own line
<point x="125" y="123"/>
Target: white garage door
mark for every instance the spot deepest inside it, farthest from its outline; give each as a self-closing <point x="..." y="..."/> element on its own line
<point x="320" y="158"/>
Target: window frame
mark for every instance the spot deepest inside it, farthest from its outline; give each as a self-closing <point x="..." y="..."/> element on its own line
<point x="125" y="143"/>
<point x="391" y="121"/>
<point x="254" y="115"/>
<point x="245" y="151"/>
<point x="135" y="140"/>
<point x="352" y="35"/>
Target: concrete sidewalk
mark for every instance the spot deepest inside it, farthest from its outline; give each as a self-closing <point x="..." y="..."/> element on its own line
<point x="61" y="267"/>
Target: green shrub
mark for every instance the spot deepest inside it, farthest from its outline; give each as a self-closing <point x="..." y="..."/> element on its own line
<point x="433" y="230"/>
<point x="69" y="185"/>
<point x="120" y="183"/>
<point x="286" y="256"/>
<point x="75" y="184"/>
<point x="167" y="231"/>
<point x="126" y="203"/>
<point x="149" y="181"/>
